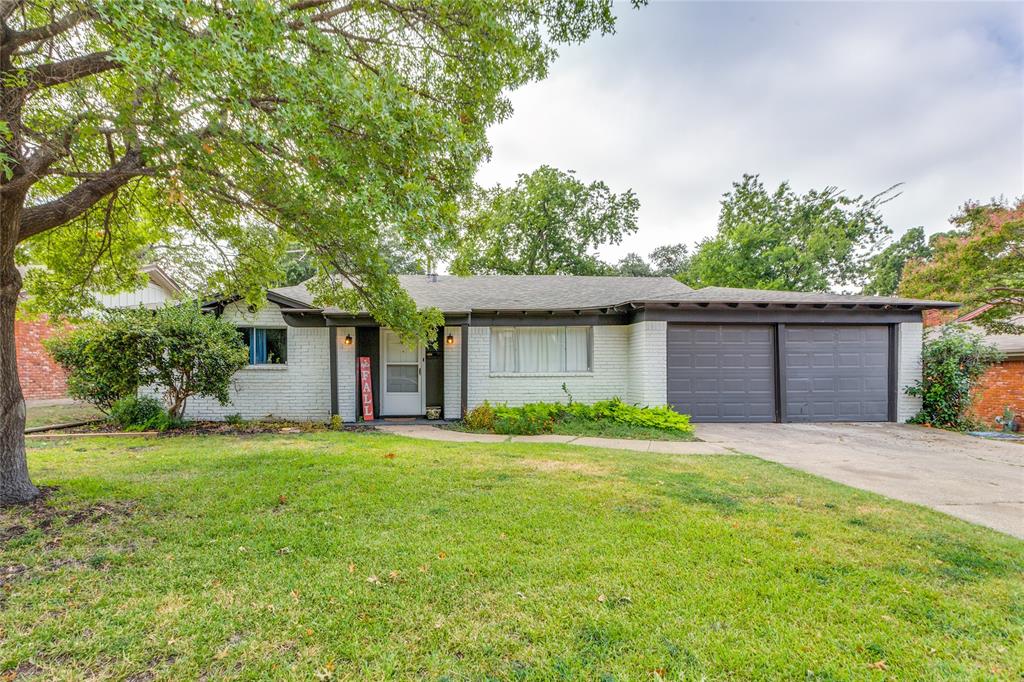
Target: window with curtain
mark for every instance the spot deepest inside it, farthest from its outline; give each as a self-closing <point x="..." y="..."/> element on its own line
<point x="266" y="346"/>
<point x="540" y="350"/>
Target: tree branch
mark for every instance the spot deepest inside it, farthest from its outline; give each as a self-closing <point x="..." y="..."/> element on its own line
<point x="65" y="23"/>
<point x="42" y="217"/>
<point x="57" y="73"/>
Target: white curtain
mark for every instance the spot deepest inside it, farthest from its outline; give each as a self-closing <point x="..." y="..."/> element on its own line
<point x="539" y="350"/>
<point x="503" y="349"/>
<point x="577" y="349"/>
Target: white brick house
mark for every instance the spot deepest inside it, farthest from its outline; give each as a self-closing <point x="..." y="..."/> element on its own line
<point x="717" y="354"/>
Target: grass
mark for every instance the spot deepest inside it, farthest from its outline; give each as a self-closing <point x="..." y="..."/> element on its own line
<point x="367" y="556"/>
<point x="605" y="428"/>
<point x="47" y="415"/>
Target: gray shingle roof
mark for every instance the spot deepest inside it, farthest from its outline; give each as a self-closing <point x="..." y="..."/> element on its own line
<point x="453" y="294"/>
<point x="732" y="295"/>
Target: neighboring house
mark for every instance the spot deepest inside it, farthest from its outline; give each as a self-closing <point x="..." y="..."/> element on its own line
<point x="41" y="377"/>
<point x="1002" y="385"/>
<point x="717" y="354"/>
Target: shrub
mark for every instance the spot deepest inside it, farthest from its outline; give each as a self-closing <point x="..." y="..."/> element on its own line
<point x="481" y="417"/>
<point x="662" y="417"/>
<point x="177" y="348"/>
<point x="138" y="413"/>
<point x="236" y="419"/>
<point x="104" y="359"/>
<point x="534" y="418"/>
<point x="953" y="362"/>
<point x="528" y="420"/>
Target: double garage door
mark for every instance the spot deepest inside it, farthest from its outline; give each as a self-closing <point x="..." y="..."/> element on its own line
<point x="764" y="373"/>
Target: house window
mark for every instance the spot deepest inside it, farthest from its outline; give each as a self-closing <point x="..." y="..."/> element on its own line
<point x="266" y="346"/>
<point x="541" y="350"/>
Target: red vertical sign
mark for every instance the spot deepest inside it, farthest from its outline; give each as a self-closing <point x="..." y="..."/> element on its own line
<point x="366" y="387"/>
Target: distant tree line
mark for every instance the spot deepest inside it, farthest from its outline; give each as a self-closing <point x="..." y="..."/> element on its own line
<point x="551" y="222"/>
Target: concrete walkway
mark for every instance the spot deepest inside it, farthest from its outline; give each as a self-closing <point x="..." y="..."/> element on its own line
<point x="671" y="447"/>
<point x="972" y="478"/>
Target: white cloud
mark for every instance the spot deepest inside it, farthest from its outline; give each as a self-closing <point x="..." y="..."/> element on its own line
<point x="687" y="97"/>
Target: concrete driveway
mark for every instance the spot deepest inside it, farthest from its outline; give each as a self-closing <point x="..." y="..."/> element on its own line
<point x="977" y="480"/>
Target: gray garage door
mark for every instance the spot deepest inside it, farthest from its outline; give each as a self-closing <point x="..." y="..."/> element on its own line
<point x="836" y="373"/>
<point x="722" y="373"/>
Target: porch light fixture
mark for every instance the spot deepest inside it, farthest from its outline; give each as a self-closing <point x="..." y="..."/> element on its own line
<point x="449" y="340"/>
<point x="348" y="339"/>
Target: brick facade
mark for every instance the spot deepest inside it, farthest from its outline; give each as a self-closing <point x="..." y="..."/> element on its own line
<point x="1001" y="387"/>
<point x="41" y="377"/>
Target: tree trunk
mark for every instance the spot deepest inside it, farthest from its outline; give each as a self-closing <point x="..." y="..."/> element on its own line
<point x="15" y="485"/>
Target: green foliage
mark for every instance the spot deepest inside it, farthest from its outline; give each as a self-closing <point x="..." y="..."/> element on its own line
<point x="526" y="420"/>
<point x="953" y="362"/>
<point x="886" y="267"/>
<point x="192" y="354"/>
<point x="481" y="417"/>
<point x="336" y="423"/>
<point x="235" y="419"/>
<point x="239" y="128"/>
<point x="177" y="348"/>
<point x="783" y="240"/>
<point x="534" y="418"/>
<point x="104" y="358"/>
<point x="546" y="224"/>
<point x="139" y="413"/>
<point x="980" y="262"/>
<point x="670" y="260"/>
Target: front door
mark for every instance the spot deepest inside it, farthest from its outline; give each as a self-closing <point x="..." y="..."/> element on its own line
<point x="402" y="378"/>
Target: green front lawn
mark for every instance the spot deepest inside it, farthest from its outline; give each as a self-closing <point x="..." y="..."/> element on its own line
<point x="366" y="556"/>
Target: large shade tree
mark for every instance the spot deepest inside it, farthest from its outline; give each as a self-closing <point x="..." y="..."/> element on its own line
<point x="980" y="262"/>
<point x="548" y="223"/>
<point x="238" y="127"/>
<point x="779" y="239"/>
<point x="885" y="268"/>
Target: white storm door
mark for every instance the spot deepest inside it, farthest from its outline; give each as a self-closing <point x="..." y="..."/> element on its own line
<point x="402" y="378"/>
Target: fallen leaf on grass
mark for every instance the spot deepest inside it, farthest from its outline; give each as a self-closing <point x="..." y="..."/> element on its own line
<point x="878" y="665"/>
<point x="372" y="579"/>
<point x="601" y="598"/>
<point x="351" y="567"/>
<point x="390" y="455"/>
<point x="284" y="550"/>
<point x="442" y="555"/>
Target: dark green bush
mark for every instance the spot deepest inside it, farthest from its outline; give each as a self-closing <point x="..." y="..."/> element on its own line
<point x="139" y="413"/>
<point x="177" y="348"/>
<point x="104" y="358"/>
<point x="953" y="362"/>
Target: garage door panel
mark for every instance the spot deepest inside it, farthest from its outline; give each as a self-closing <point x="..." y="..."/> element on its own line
<point x="731" y="376"/>
<point x="836" y="373"/>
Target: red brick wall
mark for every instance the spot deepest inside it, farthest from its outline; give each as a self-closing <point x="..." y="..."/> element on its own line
<point x="40" y="376"/>
<point x="1002" y="386"/>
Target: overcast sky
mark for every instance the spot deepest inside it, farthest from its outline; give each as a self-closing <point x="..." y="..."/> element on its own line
<point x="687" y="96"/>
